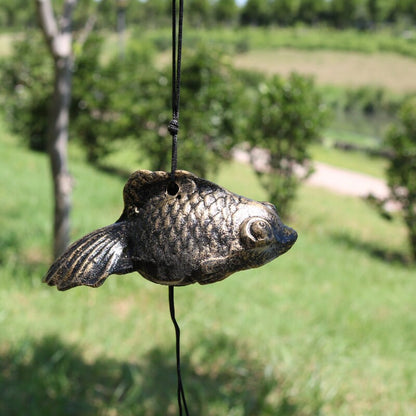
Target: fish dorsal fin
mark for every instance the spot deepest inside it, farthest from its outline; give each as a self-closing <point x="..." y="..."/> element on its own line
<point x="135" y="189"/>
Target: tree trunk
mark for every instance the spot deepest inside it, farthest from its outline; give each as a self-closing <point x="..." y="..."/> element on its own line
<point x="59" y="40"/>
<point x="121" y="26"/>
<point x="58" y="153"/>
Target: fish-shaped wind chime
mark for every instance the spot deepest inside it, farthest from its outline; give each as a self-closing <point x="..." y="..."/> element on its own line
<point x="176" y="232"/>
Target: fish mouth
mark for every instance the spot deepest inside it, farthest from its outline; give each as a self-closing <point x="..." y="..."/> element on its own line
<point x="286" y="238"/>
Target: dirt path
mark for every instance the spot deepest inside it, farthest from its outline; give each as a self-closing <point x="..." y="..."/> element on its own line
<point x="341" y="181"/>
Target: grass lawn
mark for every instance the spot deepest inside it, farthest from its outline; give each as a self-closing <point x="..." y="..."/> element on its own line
<point x="299" y="37"/>
<point x="327" y="329"/>
<point x="353" y="160"/>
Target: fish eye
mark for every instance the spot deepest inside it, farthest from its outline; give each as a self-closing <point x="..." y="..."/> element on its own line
<point x="255" y="231"/>
<point x="258" y="229"/>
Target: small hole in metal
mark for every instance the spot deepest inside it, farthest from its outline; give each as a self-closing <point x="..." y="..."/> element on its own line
<point x="172" y="188"/>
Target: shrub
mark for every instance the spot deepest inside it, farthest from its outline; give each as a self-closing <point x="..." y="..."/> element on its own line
<point x="288" y="117"/>
<point x="401" y="172"/>
<point x="126" y="97"/>
<point x="26" y="84"/>
<point x="210" y="116"/>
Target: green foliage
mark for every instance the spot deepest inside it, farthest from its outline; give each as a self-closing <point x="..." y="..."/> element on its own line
<point x="310" y="11"/>
<point x="210" y="117"/>
<point x="256" y="12"/>
<point x="370" y="100"/>
<point x="26" y="83"/>
<point x="401" y="172"/>
<point x="366" y="110"/>
<point x="130" y="98"/>
<point x="298" y="37"/>
<point x="107" y="104"/>
<point x="381" y="10"/>
<point x="288" y="116"/>
<point x="284" y="12"/>
<point x="126" y="97"/>
<point x="361" y="14"/>
<point x="16" y="14"/>
<point x="225" y="11"/>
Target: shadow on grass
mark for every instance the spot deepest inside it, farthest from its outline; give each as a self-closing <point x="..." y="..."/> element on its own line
<point x="50" y="378"/>
<point x="374" y="250"/>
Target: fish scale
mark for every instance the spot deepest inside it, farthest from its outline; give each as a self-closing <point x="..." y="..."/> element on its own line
<point x="177" y="233"/>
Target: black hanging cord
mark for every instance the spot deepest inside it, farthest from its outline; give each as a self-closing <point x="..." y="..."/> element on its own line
<point x="173" y="129"/>
<point x="181" y="392"/>
<point x="173" y="126"/>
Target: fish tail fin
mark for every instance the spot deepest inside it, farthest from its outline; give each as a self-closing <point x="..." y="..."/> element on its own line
<point x="91" y="259"/>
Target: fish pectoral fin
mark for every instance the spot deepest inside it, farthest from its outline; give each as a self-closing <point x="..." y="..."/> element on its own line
<point x="213" y="270"/>
<point x="91" y="259"/>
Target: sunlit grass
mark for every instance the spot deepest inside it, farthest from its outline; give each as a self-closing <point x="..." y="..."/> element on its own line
<point x="352" y="160"/>
<point x="326" y="329"/>
<point x="299" y="37"/>
<point x="343" y="68"/>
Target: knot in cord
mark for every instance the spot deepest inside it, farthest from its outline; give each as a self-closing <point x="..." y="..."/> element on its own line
<point x="173" y="127"/>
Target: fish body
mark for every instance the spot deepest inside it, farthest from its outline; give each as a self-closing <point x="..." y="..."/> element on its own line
<point x="176" y="233"/>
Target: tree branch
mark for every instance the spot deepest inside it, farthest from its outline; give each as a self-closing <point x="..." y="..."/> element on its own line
<point x="47" y="23"/>
<point x="65" y="23"/>
<point x="87" y="29"/>
<point x="59" y="40"/>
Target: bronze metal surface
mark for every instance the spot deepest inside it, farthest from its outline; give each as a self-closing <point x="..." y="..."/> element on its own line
<point x="176" y="233"/>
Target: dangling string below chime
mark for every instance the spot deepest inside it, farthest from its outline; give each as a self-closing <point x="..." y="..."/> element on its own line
<point x="173" y="129"/>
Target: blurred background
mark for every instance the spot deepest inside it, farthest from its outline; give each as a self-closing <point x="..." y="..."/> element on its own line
<point x="310" y="104"/>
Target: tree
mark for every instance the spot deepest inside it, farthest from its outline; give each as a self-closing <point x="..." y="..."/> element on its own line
<point x="154" y="13"/>
<point x="284" y="12"/>
<point x="311" y="11"/>
<point x="198" y="12"/>
<point x="401" y="172"/>
<point x="225" y="11"/>
<point x="343" y="12"/>
<point x="255" y="12"/>
<point x="58" y="37"/>
<point x="288" y="116"/>
<point x="381" y="10"/>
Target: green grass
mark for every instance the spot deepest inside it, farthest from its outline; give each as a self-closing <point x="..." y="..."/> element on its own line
<point x="348" y="69"/>
<point x="333" y="135"/>
<point x="327" y="329"/>
<point x="300" y="37"/>
<point x="352" y="160"/>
